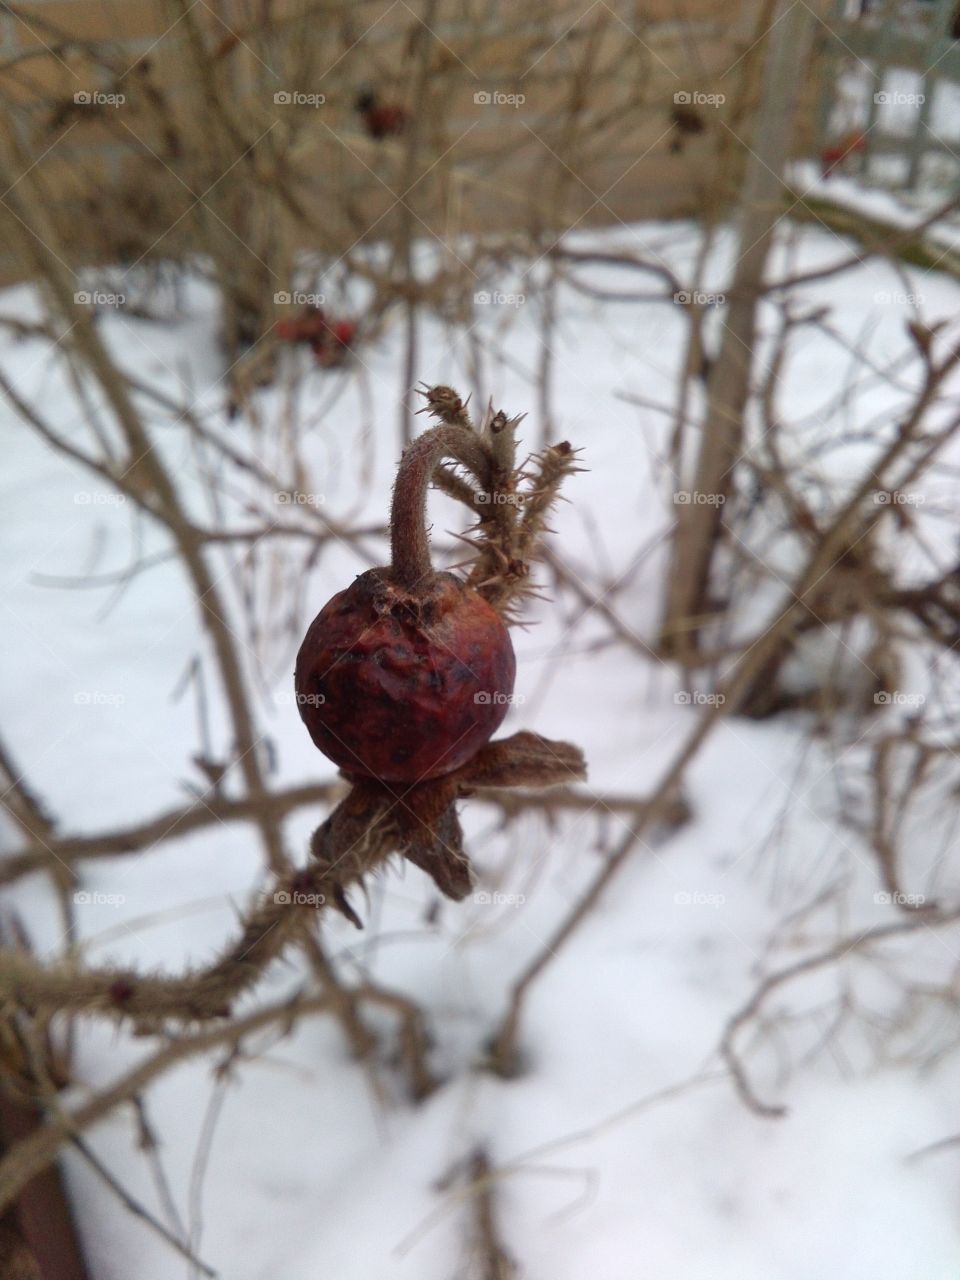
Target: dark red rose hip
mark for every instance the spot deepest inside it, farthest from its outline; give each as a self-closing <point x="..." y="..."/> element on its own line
<point x="404" y="685"/>
<point x="408" y="673"/>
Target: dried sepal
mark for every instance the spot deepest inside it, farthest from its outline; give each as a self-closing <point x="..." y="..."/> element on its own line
<point x="435" y="842"/>
<point x="524" y="760"/>
<point x="420" y="822"/>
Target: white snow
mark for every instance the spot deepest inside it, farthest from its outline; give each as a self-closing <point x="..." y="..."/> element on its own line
<point x="311" y="1170"/>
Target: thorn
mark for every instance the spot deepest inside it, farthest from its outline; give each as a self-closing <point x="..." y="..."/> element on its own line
<point x="344" y="907"/>
<point x="463" y="537"/>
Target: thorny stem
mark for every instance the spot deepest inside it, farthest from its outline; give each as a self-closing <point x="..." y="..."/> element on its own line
<point x="355" y="841"/>
<point x="35" y="1152"/>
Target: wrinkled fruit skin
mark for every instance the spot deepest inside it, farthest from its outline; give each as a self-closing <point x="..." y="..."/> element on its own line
<point x="388" y="681"/>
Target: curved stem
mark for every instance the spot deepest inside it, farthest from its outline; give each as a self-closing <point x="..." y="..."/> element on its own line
<point x="409" y="544"/>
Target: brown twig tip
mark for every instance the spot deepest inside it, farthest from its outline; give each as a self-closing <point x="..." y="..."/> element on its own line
<point x="446" y="404"/>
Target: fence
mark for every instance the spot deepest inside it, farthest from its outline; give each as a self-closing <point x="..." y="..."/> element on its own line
<point x="597" y="139"/>
<point x="893" y="104"/>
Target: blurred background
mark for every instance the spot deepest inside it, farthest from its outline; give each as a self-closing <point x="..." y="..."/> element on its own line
<point x="699" y="1015"/>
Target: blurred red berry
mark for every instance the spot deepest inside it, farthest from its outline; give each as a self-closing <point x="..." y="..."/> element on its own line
<point x="344" y="332"/>
<point x="328" y="339"/>
<point x="382" y="119"/>
<point x="833" y="155"/>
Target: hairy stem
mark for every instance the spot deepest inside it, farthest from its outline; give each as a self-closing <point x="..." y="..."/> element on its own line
<point x="409" y="544"/>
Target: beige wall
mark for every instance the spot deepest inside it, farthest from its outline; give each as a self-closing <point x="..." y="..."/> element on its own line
<point x="592" y="141"/>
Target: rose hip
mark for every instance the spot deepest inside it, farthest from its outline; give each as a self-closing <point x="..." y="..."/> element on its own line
<point x="408" y="672"/>
<point x="404" y="687"/>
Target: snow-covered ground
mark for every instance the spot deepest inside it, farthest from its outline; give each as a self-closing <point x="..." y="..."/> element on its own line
<point x="300" y="1167"/>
